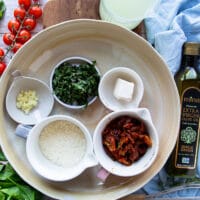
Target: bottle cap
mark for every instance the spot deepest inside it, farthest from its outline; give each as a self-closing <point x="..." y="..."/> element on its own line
<point x="191" y="48"/>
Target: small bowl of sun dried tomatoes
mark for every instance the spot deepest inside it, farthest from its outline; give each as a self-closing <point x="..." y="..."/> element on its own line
<point x="126" y="142"/>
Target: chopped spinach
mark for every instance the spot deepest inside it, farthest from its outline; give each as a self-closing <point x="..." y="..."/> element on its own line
<point x="76" y="84"/>
<point x="12" y="187"/>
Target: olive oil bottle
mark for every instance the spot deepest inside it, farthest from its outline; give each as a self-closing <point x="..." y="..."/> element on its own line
<point x="184" y="157"/>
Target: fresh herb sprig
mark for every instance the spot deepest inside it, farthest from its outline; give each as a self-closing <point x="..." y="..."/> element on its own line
<point x="12" y="187"/>
<point x="2" y="8"/>
<point x="76" y="84"/>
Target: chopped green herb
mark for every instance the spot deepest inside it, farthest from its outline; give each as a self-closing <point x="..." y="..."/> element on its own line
<point x="76" y="85"/>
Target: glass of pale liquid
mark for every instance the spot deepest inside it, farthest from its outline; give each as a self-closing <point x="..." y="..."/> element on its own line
<point x="127" y="13"/>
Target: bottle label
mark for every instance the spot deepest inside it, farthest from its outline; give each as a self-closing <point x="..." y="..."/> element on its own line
<point x="187" y="145"/>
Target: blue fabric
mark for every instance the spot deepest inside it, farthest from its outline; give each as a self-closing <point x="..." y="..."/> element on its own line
<point x="168" y="26"/>
<point x="23" y="130"/>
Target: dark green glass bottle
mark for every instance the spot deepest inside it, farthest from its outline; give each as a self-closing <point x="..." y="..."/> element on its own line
<point x="184" y="157"/>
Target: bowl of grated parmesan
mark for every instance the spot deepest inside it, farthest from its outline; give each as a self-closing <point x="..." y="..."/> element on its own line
<point x="59" y="148"/>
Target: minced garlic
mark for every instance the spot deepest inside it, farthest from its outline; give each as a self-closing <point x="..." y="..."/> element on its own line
<point x="27" y="100"/>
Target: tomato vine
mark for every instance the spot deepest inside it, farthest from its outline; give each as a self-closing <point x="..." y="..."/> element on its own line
<point x="19" y="28"/>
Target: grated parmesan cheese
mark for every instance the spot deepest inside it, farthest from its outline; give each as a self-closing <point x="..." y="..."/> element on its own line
<point x="63" y="143"/>
<point x="27" y="100"/>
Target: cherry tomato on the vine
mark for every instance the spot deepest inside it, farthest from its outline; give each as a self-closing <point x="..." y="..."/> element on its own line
<point x="13" y="26"/>
<point x="24" y="4"/>
<point x="8" y="38"/>
<point x="2" y="67"/>
<point x="29" y="24"/>
<point x="23" y="36"/>
<point x="35" y="11"/>
<point x="19" y="13"/>
<point x="16" y="47"/>
<point x="1" y="53"/>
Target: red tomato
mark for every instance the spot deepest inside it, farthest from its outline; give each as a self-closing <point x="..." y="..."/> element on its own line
<point x="35" y="11"/>
<point x="29" y="24"/>
<point x="24" y="4"/>
<point x="2" y="67"/>
<point x="13" y="26"/>
<point x="19" y="13"/>
<point x="1" y="53"/>
<point x="23" y="36"/>
<point x="16" y="47"/>
<point x="8" y="38"/>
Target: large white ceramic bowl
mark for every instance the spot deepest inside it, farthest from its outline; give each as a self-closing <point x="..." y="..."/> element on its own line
<point x="110" y="45"/>
<point x="144" y="162"/>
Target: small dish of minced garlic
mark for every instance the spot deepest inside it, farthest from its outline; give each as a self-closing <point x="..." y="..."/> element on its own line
<point x="28" y="100"/>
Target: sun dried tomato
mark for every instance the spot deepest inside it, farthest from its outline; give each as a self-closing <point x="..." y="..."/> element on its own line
<point x="126" y="139"/>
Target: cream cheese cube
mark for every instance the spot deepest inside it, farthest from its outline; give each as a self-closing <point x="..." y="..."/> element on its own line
<point x="123" y="90"/>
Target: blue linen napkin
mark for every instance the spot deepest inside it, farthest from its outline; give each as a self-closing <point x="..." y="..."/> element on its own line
<point x="168" y="26"/>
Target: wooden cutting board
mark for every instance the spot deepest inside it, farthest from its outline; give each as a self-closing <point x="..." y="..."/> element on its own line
<point x="56" y="11"/>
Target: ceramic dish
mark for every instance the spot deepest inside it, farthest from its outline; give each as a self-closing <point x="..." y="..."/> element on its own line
<point x="45" y="163"/>
<point x="144" y="161"/>
<point x="75" y="61"/>
<point x="108" y="83"/>
<point x="110" y="46"/>
<point x="44" y="95"/>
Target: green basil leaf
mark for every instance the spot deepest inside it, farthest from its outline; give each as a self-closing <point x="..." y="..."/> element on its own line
<point x="2" y="157"/>
<point x="19" y="193"/>
<point x="2" y="196"/>
<point x="6" y="173"/>
<point x="12" y="187"/>
<point x="2" y="8"/>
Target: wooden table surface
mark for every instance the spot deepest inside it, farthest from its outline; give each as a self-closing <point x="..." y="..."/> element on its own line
<point x="59" y="9"/>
